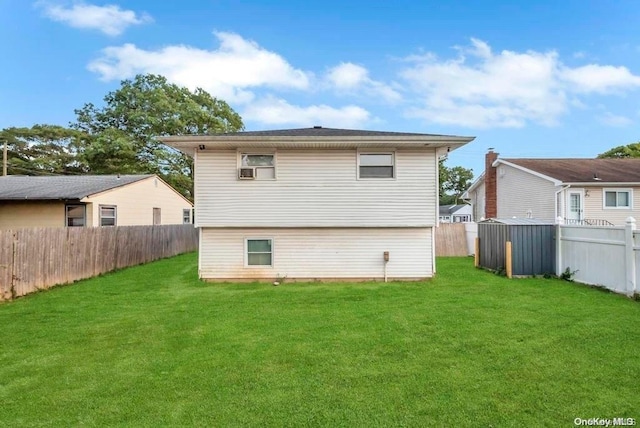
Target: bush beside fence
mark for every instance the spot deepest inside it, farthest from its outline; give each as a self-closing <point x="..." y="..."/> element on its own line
<point x="39" y="258"/>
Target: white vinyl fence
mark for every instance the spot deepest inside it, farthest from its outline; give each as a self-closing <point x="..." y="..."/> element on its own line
<point x="603" y="256"/>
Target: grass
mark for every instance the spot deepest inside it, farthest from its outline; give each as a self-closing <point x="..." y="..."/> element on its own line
<point x="152" y="345"/>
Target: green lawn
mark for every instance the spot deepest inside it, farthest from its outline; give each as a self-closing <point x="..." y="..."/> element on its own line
<point x="152" y="345"/>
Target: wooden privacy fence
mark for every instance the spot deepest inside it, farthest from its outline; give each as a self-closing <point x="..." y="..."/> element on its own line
<point x="455" y="239"/>
<point x="39" y="258"/>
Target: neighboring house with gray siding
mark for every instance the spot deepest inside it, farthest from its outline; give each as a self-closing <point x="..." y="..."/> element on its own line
<point x="579" y="191"/>
<point x="316" y="203"/>
<point x="90" y="200"/>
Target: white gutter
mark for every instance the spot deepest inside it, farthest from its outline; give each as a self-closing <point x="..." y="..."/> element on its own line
<point x="555" y="217"/>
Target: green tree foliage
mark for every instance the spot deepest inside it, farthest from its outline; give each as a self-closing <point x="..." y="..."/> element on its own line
<point x="628" y="151"/>
<point x="43" y="150"/>
<point x="454" y="182"/>
<point x="122" y="135"/>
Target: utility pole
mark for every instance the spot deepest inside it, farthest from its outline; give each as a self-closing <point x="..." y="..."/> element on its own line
<point x="4" y="159"/>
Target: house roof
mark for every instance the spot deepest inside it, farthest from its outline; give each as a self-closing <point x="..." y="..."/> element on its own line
<point x="576" y="170"/>
<point x="319" y="131"/>
<point x="450" y="209"/>
<point x="64" y="187"/>
<point x="313" y="138"/>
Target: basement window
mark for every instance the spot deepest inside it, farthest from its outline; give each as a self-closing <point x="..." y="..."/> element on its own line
<point x="617" y="198"/>
<point x="376" y="165"/>
<point x="259" y="252"/>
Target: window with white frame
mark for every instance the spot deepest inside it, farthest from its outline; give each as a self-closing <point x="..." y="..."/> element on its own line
<point x="617" y="198"/>
<point x="186" y="216"/>
<point x="108" y="215"/>
<point x="75" y="215"/>
<point x="259" y="252"/>
<point x="376" y="165"/>
<point x="264" y="164"/>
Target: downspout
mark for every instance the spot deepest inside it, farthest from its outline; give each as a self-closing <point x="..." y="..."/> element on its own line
<point x="555" y="202"/>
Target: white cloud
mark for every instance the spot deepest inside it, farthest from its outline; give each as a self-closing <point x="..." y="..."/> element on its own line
<point x="480" y="88"/>
<point x="600" y="78"/>
<point x="276" y="111"/>
<point x="353" y="78"/>
<point x="502" y="90"/>
<point x="109" y="19"/>
<point x="229" y="72"/>
<point x="615" y="120"/>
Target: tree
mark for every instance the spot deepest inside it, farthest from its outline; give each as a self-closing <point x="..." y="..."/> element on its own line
<point x="43" y="150"/>
<point x="454" y="182"/>
<point x="122" y="135"/>
<point x="629" y="151"/>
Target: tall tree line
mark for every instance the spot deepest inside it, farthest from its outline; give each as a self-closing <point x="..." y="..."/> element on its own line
<point x="121" y="136"/>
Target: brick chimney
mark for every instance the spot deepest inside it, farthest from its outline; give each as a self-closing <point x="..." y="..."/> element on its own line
<point x="490" y="185"/>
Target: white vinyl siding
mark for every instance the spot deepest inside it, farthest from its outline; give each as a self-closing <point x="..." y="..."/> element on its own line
<point x="478" y="202"/>
<point x="316" y="188"/>
<point x="594" y="206"/>
<point x="319" y="253"/>
<point x="521" y="194"/>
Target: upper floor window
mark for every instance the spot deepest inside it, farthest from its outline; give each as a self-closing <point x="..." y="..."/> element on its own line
<point x="108" y="215"/>
<point x="186" y="216"/>
<point x="617" y="198"/>
<point x="264" y="165"/>
<point x="376" y="165"/>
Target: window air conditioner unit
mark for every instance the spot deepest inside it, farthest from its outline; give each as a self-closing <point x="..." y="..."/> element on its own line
<point x="246" y="173"/>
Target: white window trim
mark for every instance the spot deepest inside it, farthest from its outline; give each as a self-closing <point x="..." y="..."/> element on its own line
<point x="376" y="152"/>
<point x="259" y="152"/>
<point x="184" y="211"/>
<point x="115" y="214"/>
<point x="617" y="189"/>
<point x="246" y="251"/>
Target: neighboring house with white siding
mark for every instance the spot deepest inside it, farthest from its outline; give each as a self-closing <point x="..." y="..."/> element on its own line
<point x="316" y="203"/>
<point x="90" y="200"/>
<point x="460" y="213"/>
<point x="579" y="191"/>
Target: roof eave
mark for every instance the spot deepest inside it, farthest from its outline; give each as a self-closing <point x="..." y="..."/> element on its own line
<point x="603" y="183"/>
<point x="189" y="144"/>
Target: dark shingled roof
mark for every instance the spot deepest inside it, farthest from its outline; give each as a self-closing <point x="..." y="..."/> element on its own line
<point x="318" y="131"/>
<point x="450" y="209"/>
<point x="21" y="187"/>
<point x="585" y="170"/>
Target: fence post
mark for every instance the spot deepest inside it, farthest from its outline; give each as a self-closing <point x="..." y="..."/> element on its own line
<point x="476" y="255"/>
<point x="508" y="259"/>
<point x="559" y="223"/>
<point x="630" y="261"/>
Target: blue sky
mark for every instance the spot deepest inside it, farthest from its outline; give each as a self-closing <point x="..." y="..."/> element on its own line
<point x="531" y="79"/>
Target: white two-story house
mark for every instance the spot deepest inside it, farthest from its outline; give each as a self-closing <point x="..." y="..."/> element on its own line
<point x="316" y="203"/>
